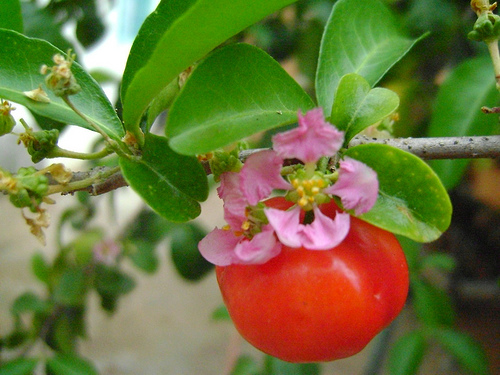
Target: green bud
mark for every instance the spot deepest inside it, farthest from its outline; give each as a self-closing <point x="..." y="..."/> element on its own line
<point x="7" y="121"/>
<point x="39" y="144"/>
<point x="60" y="79"/>
<point x="486" y="28"/>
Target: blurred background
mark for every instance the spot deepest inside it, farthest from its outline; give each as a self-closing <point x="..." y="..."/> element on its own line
<point x="168" y="319"/>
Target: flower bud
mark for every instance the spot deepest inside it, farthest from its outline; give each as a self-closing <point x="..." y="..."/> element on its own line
<point x="7" y="121"/>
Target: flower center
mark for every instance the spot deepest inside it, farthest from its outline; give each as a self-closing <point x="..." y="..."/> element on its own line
<point x="308" y="191"/>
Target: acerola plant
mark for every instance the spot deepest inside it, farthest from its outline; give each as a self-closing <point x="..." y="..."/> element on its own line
<point x="312" y="306"/>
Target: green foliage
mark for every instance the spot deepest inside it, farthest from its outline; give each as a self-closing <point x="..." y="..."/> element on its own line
<point x="235" y="92"/>
<point x="19" y="366"/>
<point x="356" y="106"/>
<point x="407" y="353"/>
<point x="20" y="72"/>
<point x="457" y="112"/>
<point x="274" y="366"/>
<point x="361" y="37"/>
<point x="170" y="183"/>
<point x="174" y="36"/>
<point x="10" y="16"/>
<point x="69" y="365"/>
<point x="412" y="201"/>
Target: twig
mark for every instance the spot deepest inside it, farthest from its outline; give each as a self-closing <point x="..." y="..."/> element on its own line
<point x="425" y="148"/>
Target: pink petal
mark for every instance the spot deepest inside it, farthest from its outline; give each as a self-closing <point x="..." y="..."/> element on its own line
<point x="311" y="140"/>
<point x="218" y="247"/>
<point x="260" y="175"/>
<point x="324" y="233"/>
<point x="357" y="186"/>
<point x="234" y="201"/>
<point x="262" y="247"/>
<point x="286" y="225"/>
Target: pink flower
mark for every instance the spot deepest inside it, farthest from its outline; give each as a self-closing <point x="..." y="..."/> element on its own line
<point x="222" y="247"/>
<point x="311" y="140"/>
<point x="322" y="234"/>
<point x="106" y="252"/>
<point x="357" y="186"/>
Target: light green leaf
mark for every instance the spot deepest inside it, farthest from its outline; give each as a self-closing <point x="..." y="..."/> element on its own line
<point x="170" y="183"/>
<point x="412" y="201"/>
<point x="174" y="36"/>
<point x="457" y="111"/>
<point x="464" y="348"/>
<point x="62" y="364"/>
<point x="246" y="365"/>
<point x="29" y="302"/>
<point x="10" y="15"/>
<point x="361" y="37"/>
<point x="235" y="92"/>
<point x="432" y="305"/>
<point x="275" y="366"/>
<point x="20" y="65"/>
<point x="19" y="366"/>
<point x="356" y="106"/>
<point x="406" y="354"/>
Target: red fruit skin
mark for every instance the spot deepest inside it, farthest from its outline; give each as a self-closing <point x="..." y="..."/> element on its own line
<point x="315" y="306"/>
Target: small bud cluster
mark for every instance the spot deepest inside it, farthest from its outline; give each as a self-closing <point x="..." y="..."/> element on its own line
<point x="7" y="121"/>
<point x="60" y="79"/>
<point x="40" y="143"/>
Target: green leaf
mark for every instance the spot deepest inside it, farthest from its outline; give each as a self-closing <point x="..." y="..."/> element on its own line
<point x="185" y="254"/>
<point x="110" y="280"/>
<point x="457" y="111"/>
<point x="464" y="348"/>
<point x="170" y="183"/>
<point x="10" y="15"/>
<point x="148" y="226"/>
<point x="71" y="287"/>
<point x="221" y="313"/>
<point x="412" y="201"/>
<point x="142" y="254"/>
<point x="29" y="302"/>
<point x="19" y="366"/>
<point x="20" y="65"/>
<point x="40" y="267"/>
<point x="356" y="106"/>
<point x="432" y="305"/>
<point x="245" y="365"/>
<point x="360" y="37"/>
<point x="406" y="354"/>
<point x="235" y="92"/>
<point x="275" y="366"/>
<point x="174" y="36"/>
<point x="70" y="365"/>
<point x="439" y="261"/>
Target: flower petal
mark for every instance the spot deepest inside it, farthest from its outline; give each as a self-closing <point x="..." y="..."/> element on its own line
<point x="324" y="233"/>
<point x="234" y="201"/>
<point x="260" y="175"/>
<point x="357" y="186"/>
<point x="311" y="140"/>
<point x="286" y="225"/>
<point x="218" y="247"/>
<point x="262" y="247"/>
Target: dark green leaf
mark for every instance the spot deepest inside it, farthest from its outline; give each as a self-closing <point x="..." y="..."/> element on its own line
<point x="443" y="262"/>
<point x="457" y="111"/>
<point x="19" y="366"/>
<point x="185" y="254"/>
<point x="20" y="65"/>
<point x="245" y="365"/>
<point x="71" y="288"/>
<point x="406" y="354"/>
<point x="69" y="365"/>
<point x="148" y="226"/>
<point x="142" y="253"/>
<point x="111" y="281"/>
<point x="221" y="313"/>
<point x="174" y="36"/>
<point x="356" y="106"/>
<point x="432" y="305"/>
<point x="170" y="183"/>
<point x="10" y="15"/>
<point x="275" y="366"/>
<point x="29" y="302"/>
<point x="412" y="201"/>
<point x="40" y="267"/>
<point x="235" y="92"/>
<point x="464" y="348"/>
<point x="361" y="37"/>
